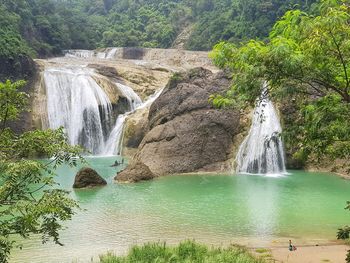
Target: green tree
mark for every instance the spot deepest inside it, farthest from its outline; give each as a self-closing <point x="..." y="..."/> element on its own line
<point x="29" y="202"/>
<point x="307" y="61"/>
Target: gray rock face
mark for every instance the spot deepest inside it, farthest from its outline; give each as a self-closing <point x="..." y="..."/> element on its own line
<point x="186" y="134"/>
<point x="88" y="177"/>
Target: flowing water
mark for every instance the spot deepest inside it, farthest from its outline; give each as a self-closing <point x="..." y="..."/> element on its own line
<point x="114" y="144"/>
<point x="252" y="210"/>
<point x="262" y="150"/>
<point x="76" y="102"/>
<point x="108" y="53"/>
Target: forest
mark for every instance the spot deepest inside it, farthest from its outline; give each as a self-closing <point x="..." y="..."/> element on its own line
<point x="41" y="28"/>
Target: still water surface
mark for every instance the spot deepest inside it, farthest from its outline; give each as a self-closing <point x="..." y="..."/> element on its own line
<point x="246" y="209"/>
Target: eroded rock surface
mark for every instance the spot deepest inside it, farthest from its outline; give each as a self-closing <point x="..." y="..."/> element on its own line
<point x="88" y="177"/>
<point x="135" y="173"/>
<point x="186" y="134"/>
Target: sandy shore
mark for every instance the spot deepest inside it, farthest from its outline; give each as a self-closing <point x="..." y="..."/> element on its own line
<point x="311" y="254"/>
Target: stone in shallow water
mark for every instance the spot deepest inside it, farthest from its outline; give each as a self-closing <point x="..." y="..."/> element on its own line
<point x="135" y="173"/>
<point x="88" y="177"/>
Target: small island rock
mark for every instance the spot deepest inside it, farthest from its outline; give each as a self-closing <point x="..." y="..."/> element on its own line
<point x="135" y="173"/>
<point x="88" y="177"/>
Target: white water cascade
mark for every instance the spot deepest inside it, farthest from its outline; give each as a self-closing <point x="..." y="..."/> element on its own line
<point x="262" y="150"/>
<point x="89" y="54"/>
<point x="114" y="143"/>
<point x="76" y="102"/>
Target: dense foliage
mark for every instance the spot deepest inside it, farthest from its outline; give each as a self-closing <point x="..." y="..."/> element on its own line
<point x="46" y="27"/>
<point x="237" y="20"/>
<point x="29" y="202"/>
<point x="187" y="251"/>
<point x="307" y="63"/>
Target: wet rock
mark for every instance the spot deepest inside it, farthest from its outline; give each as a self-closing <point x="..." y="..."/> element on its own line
<point x="88" y="177"/>
<point x="107" y="71"/>
<point x="135" y="173"/>
<point x="133" y="53"/>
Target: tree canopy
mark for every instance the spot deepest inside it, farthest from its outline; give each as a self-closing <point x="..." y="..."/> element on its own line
<point x="306" y="61"/>
<point x="46" y="27"/>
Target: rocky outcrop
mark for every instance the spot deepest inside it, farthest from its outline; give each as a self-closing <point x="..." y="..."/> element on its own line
<point x="186" y="134"/>
<point x="109" y="72"/>
<point x="88" y="177"/>
<point x="135" y="173"/>
<point x="135" y="129"/>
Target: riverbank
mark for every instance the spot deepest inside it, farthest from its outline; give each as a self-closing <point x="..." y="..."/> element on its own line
<point x="332" y="253"/>
<point x="191" y="251"/>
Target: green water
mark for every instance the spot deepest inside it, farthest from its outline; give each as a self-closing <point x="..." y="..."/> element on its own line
<point x="252" y="210"/>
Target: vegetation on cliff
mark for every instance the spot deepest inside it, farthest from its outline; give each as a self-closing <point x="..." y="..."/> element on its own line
<point x="46" y="27"/>
<point x="307" y="63"/>
<point x="187" y="251"/>
<point x="29" y="202"/>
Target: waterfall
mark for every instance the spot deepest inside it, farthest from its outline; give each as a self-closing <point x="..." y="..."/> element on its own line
<point x="76" y="102"/>
<point x="133" y="99"/>
<point x="114" y="143"/>
<point x="111" y="53"/>
<point x="262" y="150"/>
<point x="108" y="53"/>
<point x="77" y="53"/>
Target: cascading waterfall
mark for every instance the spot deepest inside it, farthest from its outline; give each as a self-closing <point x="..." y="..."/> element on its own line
<point x="133" y="99"/>
<point x="114" y="143"/>
<point x="262" y="150"/>
<point x="76" y="102"/>
<point x="88" y="54"/>
<point x="77" y="53"/>
<point x="110" y="54"/>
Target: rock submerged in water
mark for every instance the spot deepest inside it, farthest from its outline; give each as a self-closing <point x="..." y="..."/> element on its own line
<point x="88" y="177"/>
<point x="135" y="173"/>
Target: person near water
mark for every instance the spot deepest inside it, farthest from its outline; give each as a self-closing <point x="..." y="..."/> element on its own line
<point x="291" y="247"/>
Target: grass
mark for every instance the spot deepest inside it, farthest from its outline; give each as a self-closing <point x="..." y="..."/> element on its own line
<point x="262" y="250"/>
<point x="185" y="252"/>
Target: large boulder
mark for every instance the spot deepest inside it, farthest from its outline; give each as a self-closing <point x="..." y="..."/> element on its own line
<point x="135" y="173"/>
<point x="88" y="177"/>
<point x="186" y="134"/>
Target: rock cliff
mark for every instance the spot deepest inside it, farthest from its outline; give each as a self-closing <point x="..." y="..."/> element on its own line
<point x="186" y="134"/>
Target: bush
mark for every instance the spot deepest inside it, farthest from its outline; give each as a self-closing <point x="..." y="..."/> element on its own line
<point x="343" y="233"/>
